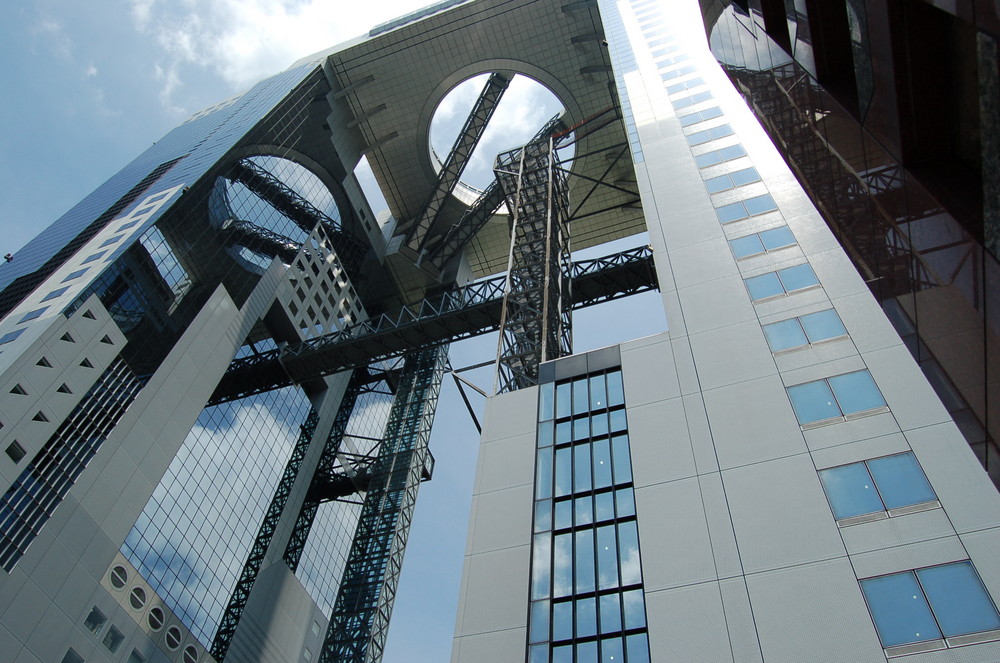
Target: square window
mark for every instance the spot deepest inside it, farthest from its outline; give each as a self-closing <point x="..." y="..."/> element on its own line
<point x="900" y="480"/>
<point x="745" y="176"/>
<point x="798" y="277"/>
<point x="958" y="599"/>
<point x="823" y="325"/>
<point x="94" y="256"/>
<point x="856" y="392"/>
<point x="15" y="451"/>
<point x="899" y="609"/>
<point x="785" y="335"/>
<point x="732" y="152"/>
<point x="717" y="184"/>
<point x="95" y="621"/>
<point x="777" y="238"/>
<point x="730" y="213"/>
<point x="764" y="286"/>
<point x="813" y="401"/>
<point x="850" y="491"/>
<point x="113" y="639"/>
<point x="708" y="159"/>
<point x="760" y="205"/>
<point x="744" y="247"/>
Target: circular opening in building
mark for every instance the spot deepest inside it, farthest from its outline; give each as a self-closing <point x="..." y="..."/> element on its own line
<point x="155" y="619"/>
<point x="173" y="639"/>
<point x="268" y="205"/>
<point x="522" y="110"/>
<point x="119" y="577"/>
<point x="137" y="598"/>
<point x="190" y="654"/>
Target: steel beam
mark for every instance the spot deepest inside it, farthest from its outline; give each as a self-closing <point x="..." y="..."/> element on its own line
<point x="416" y="231"/>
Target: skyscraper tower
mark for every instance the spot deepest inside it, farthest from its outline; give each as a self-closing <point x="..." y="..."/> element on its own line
<point x="221" y="373"/>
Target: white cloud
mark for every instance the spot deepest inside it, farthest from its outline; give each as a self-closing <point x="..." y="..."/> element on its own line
<point x="90" y="71"/>
<point x="243" y="41"/>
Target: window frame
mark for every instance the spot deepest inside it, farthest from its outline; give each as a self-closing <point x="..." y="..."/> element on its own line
<point x="886" y="511"/>
<point x="848" y="416"/>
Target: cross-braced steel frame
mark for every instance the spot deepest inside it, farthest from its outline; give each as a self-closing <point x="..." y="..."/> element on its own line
<point x="535" y="319"/>
<point x="360" y="620"/>
<point x="458" y="157"/>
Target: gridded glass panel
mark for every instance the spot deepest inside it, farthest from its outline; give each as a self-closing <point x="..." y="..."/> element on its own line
<point x="856" y="392"/>
<point x="900" y="480"/>
<point x="785" y="335"/>
<point x="744" y="247"/>
<point x="764" y="286"/>
<point x="798" y="277"/>
<point x="850" y="490"/>
<point x="958" y="599"/>
<point x="822" y="325"/>
<point x="899" y="609"/>
<point x="777" y="238"/>
<point x="813" y="401"/>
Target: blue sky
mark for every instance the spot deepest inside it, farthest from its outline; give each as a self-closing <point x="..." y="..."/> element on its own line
<point x="88" y="86"/>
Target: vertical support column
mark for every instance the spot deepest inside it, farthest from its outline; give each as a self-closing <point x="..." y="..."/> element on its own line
<point x="535" y="323"/>
<point x="360" y="620"/>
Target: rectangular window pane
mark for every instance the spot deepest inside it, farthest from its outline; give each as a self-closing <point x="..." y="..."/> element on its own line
<point x="562" y="654"/>
<point x="564" y="472"/>
<point x="637" y="647"/>
<point x="611" y="616"/>
<point x="562" y="566"/>
<point x="813" y="401"/>
<point x="732" y="152"/>
<point x="622" y="463"/>
<point x="850" y="490"/>
<point x="717" y="184"/>
<point x="598" y="393"/>
<point x="785" y="335"/>
<point x="564" y="514"/>
<point x="563" y="400"/>
<point x="745" y="247"/>
<point x="635" y="611"/>
<point x="581" y="397"/>
<point x="586" y="617"/>
<point x="545" y="430"/>
<point x="33" y="314"/>
<point x="628" y="546"/>
<point x="562" y="620"/>
<point x="777" y="238"/>
<point x="618" y="421"/>
<point x="958" y="599"/>
<point x="625" y="500"/>
<point x="564" y="432"/>
<point x="540" y="549"/>
<point x="607" y="557"/>
<point x="543" y="515"/>
<point x="602" y="464"/>
<point x="798" y="277"/>
<point x="55" y="293"/>
<point x="581" y="429"/>
<point x="582" y="467"/>
<point x="898" y="607"/>
<point x="599" y="424"/>
<point x="546" y="401"/>
<point x="745" y="176"/>
<point x="543" y="474"/>
<point x="731" y="212"/>
<point x="539" y="631"/>
<point x="856" y="392"/>
<point x="583" y="511"/>
<point x="900" y="480"/>
<point x="584" y="561"/>
<point x="764" y="286"/>
<point x="604" y="506"/>
<point x="586" y="652"/>
<point x="616" y="392"/>
<point x="708" y="159"/>
<point x="611" y="650"/>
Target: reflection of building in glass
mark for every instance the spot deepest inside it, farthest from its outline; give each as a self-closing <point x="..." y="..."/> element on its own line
<point x="221" y="371"/>
<point x="888" y="115"/>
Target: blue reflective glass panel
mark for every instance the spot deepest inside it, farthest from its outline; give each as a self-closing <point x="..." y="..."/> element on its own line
<point x="745" y="176"/>
<point x="10" y="336"/>
<point x="856" y="392"/>
<point x="616" y="392"/>
<point x="637" y="647"/>
<point x="564" y="514"/>
<point x="898" y="607"/>
<point x="958" y="599"/>
<point x="607" y="557"/>
<point x="562" y="620"/>
<point x="540" y="552"/>
<point x="850" y="490"/>
<point x="731" y="212"/>
<point x="562" y="654"/>
<point x="543" y="473"/>
<point x="581" y="397"/>
<point x="586" y="652"/>
<point x="823" y="325"/>
<point x="708" y="159"/>
<point x="760" y="204"/>
<point x="785" y="335"/>
<point x="564" y="432"/>
<point x="900" y="480"/>
<point x="581" y="428"/>
<point x="745" y="247"/>
<point x="708" y="113"/>
<point x="611" y="650"/>
<point x="564" y="472"/>
<point x="543" y="515"/>
<point x="582" y="468"/>
<point x="562" y="565"/>
<point x="764" y="286"/>
<point x="74" y="275"/>
<point x="538" y="654"/>
<point x="598" y="393"/>
<point x="625" y="500"/>
<point x="611" y="614"/>
<point x="545" y="430"/>
<point x="583" y="511"/>
<point x="584" y="561"/>
<point x="813" y="401"/>
<point x="732" y="152"/>
<point x="55" y="293"/>
<point x="93" y="257"/>
<point x="622" y="462"/>
<point x="798" y="277"/>
<point x="777" y="238"/>
<point x="539" y="621"/>
<point x="586" y="617"/>
<point x="604" y="505"/>
<point x="563" y="400"/>
<point x="618" y="421"/>
<point x="602" y="464"/>
<point x="720" y="183"/>
<point x="31" y="315"/>
<point x="635" y="611"/>
<point x="599" y="424"/>
<point x="546" y="400"/>
<point x="628" y="546"/>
